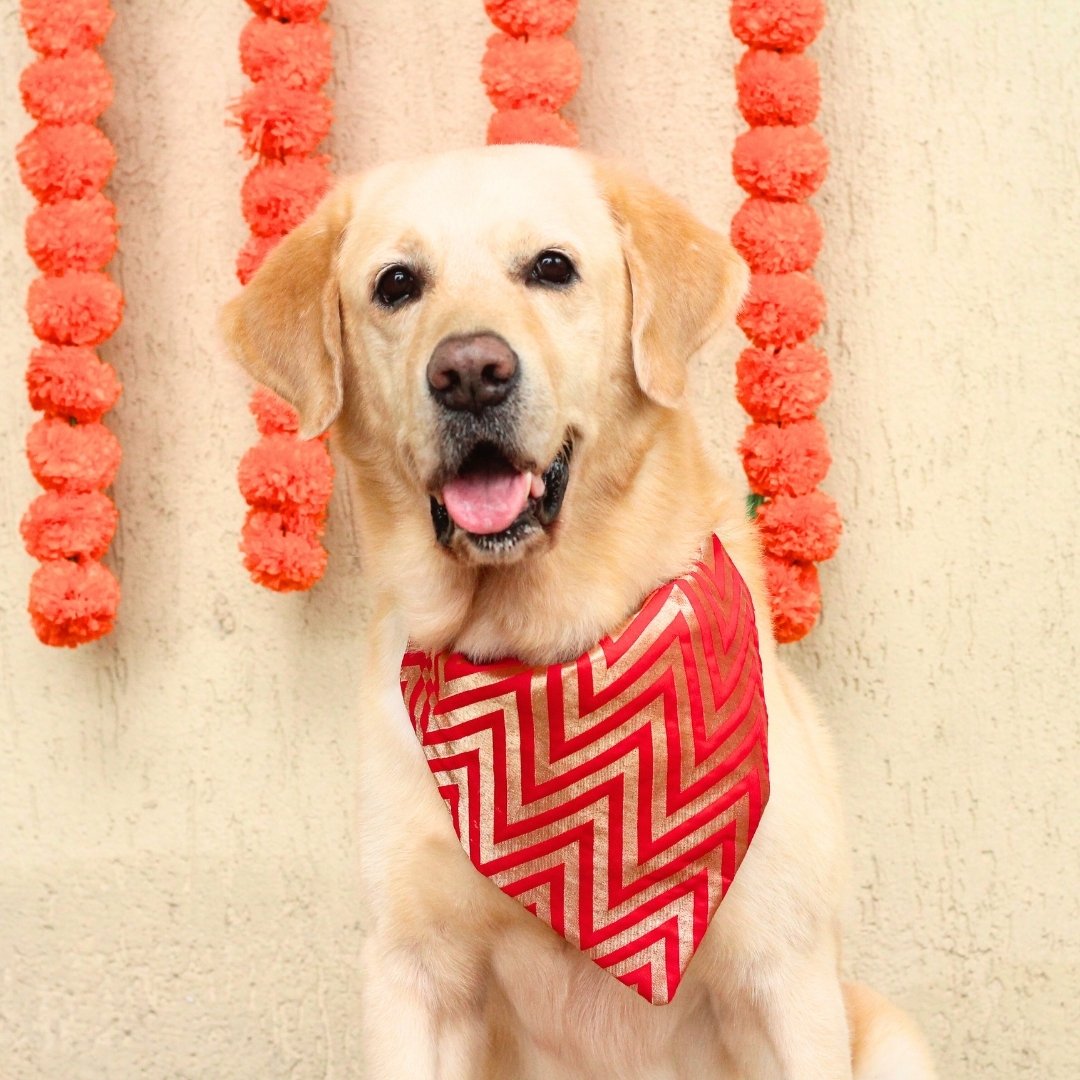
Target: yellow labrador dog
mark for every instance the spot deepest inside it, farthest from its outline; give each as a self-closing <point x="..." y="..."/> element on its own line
<point x="525" y="315"/>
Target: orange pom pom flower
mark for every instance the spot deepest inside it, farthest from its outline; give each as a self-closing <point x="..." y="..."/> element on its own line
<point x="288" y="10"/>
<point x="65" y="161"/>
<point x="282" y="550"/>
<point x="530" y="125"/>
<point x="72" y="457"/>
<point x="294" y="54"/>
<point x="61" y="26"/>
<point x="77" y="308"/>
<point x="782" y="309"/>
<point x="71" y="382"/>
<point x="72" y="234"/>
<point x="76" y="88"/>
<point x="787" y="25"/>
<point x="803" y="527"/>
<point x="777" y="237"/>
<point x="777" y="88"/>
<point x="780" y="162"/>
<point x="795" y="590"/>
<point x="279" y="121"/>
<point x="252" y="254"/>
<point x="69" y="525"/>
<point x="72" y="603"/>
<point x="539" y="72"/>
<point x="776" y="385"/>
<point x="789" y="459"/>
<point x="532" y="18"/>
<point x="273" y="415"/>
<point x="280" y="472"/>
<point x="278" y="195"/>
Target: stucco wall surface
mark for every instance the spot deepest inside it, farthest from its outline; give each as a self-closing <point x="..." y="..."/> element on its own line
<point x="177" y="864"/>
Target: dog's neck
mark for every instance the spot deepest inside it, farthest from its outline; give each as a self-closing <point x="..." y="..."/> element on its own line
<point x="640" y="529"/>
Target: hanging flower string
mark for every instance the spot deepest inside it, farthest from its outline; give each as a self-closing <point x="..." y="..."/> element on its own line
<point x="530" y="72"/>
<point x="73" y="307"/>
<point x="782" y="379"/>
<point x="287" y="482"/>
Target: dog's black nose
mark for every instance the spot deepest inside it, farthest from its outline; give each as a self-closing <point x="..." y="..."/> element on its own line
<point x="472" y="372"/>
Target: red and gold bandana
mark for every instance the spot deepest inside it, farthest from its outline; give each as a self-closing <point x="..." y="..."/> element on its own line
<point x="614" y="795"/>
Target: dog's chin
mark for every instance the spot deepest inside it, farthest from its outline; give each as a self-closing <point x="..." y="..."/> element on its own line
<point x="512" y="545"/>
<point x="530" y="530"/>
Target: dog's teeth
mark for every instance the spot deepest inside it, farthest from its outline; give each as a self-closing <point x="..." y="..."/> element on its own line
<point x="536" y="487"/>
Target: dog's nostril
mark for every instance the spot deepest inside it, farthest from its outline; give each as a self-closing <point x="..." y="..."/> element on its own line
<point x="472" y="372"/>
<point x="446" y="380"/>
<point x="495" y="373"/>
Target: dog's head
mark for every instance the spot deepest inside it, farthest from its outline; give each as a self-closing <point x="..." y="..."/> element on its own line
<point x="493" y="329"/>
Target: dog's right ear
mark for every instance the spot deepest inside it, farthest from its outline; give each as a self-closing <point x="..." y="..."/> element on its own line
<point x="285" y="327"/>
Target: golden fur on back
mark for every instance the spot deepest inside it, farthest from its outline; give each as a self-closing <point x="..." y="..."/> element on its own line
<point x="463" y="982"/>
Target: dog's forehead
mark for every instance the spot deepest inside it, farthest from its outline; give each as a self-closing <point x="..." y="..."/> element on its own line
<point x="489" y="193"/>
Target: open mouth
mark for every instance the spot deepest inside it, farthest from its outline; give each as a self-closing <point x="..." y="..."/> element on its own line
<point x="495" y="504"/>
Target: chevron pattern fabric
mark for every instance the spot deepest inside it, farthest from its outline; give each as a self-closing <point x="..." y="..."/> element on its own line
<point x="614" y="795"/>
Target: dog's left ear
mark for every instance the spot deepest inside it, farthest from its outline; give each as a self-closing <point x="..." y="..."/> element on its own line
<point x="285" y="327"/>
<point x="685" y="279"/>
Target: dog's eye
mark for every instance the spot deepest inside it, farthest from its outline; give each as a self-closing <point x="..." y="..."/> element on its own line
<point x="395" y="285"/>
<point x="552" y="268"/>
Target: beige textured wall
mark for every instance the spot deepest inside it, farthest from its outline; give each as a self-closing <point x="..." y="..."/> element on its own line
<point x="177" y="886"/>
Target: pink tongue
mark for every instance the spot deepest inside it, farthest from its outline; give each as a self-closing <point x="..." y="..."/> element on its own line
<point x="485" y="503"/>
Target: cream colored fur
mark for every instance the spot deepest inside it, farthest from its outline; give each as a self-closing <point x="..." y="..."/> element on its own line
<point x="462" y="982"/>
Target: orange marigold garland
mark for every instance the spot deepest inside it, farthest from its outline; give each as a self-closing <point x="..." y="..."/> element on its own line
<point x="65" y="161"/>
<point x="530" y="72"/>
<point x="781" y="379"/>
<point x="287" y="482"/>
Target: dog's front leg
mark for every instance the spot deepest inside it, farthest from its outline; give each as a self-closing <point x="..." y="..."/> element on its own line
<point x="428" y="987"/>
<point x="790" y="1022"/>
<point x="398" y="1028"/>
<point x="426" y="974"/>
<point x="409" y="1032"/>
